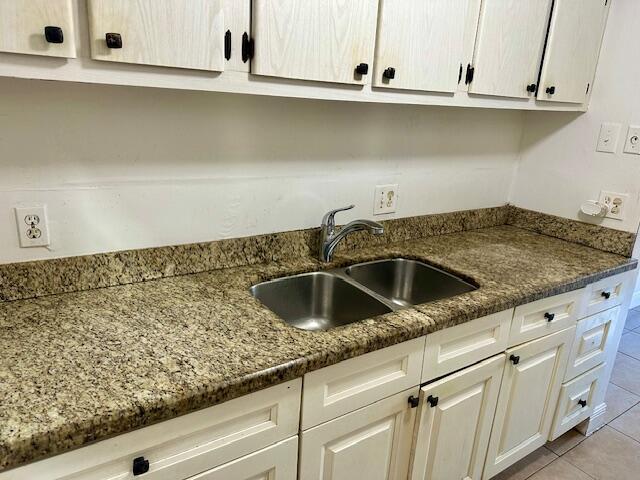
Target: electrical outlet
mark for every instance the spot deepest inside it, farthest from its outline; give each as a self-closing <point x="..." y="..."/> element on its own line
<point x="632" y="144"/>
<point x="617" y="203"/>
<point x="609" y="135"/>
<point x="386" y="199"/>
<point x="33" y="230"/>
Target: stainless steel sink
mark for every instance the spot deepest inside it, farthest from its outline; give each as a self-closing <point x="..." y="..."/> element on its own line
<point x="408" y="282"/>
<point x="317" y="301"/>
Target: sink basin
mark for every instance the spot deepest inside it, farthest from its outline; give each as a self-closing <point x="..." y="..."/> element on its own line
<point x="317" y="301"/>
<point x="407" y="282"/>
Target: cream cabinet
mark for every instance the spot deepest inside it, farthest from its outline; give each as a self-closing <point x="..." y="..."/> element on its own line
<point x="573" y="47"/>
<point x="373" y="442"/>
<point x="454" y="423"/>
<point x="170" y="33"/>
<point x="509" y="47"/>
<point x="528" y="397"/>
<point x="421" y="44"/>
<point x="324" y="40"/>
<point x="37" y="27"/>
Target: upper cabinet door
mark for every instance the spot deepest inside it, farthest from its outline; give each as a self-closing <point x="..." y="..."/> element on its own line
<point x="37" y="27"/>
<point x="510" y="41"/>
<point x="169" y="33"/>
<point x="324" y="40"/>
<point x="422" y="42"/>
<point x="570" y="60"/>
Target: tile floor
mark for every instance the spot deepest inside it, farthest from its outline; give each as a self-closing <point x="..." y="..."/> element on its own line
<point x="612" y="452"/>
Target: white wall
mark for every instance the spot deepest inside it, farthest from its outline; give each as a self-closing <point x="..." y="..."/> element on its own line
<point x="123" y="167"/>
<point x="559" y="167"/>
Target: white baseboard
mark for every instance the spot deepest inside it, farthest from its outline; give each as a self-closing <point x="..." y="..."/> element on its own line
<point x="595" y="422"/>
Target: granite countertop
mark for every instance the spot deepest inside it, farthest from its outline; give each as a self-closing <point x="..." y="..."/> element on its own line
<point x="78" y="367"/>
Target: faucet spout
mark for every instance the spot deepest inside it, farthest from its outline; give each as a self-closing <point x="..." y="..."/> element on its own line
<point x="330" y="238"/>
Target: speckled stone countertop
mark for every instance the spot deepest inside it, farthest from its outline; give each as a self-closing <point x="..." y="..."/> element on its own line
<point x="82" y="366"/>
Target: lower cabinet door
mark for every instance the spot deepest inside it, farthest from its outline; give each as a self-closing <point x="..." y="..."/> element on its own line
<point x="372" y="443"/>
<point x="528" y="398"/>
<point x="277" y="462"/>
<point x="454" y="423"/>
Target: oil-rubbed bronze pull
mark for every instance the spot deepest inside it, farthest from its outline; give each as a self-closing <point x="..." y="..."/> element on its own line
<point x="114" y="40"/>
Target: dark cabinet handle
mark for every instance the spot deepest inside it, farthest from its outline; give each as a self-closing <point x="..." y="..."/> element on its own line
<point x="389" y="73"/>
<point x="433" y="401"/>
<point x="549" y="316"/>
<point x="551" y="90"/>
<point x="53" y="34"/>
<point x="606" y="295"/>
<point x="582" y="403"/>
<point x="362" y="69"/>
<point x="140" y="466"/>
<point x="247" y="47"/>
<point x="515" y="359"/>
<point x="414" y="401"/>
<point x="227" y="45"/>
<point x="114" y="40"/>
<point x="532" y="88"/>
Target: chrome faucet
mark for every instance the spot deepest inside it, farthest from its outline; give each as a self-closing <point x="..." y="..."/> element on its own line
<point x="329" y="237"/>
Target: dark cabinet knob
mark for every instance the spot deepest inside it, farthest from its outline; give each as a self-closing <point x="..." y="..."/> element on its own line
<point x="414" y="401"/>
<point x="433" y="401"/>
<point x="606" y="295"/>
<point x="114" y="40"/>
<point x="389" y="73"/>
<point x="362" y="69"/>
<point x="549" y="316"/>
<point x="532" y="88"/>
<point x="53" y="34"/>
<point x="551" y="90"/>
<point x="515" y="359"/>
<point x="140" y="466"/>
<point x="582" y="403"/>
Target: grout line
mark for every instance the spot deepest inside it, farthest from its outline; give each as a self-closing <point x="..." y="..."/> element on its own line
<point x="572" y="464"/>
<point x="614" y="428"/>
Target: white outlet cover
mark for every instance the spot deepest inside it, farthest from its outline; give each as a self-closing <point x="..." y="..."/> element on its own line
<point x="609" y="136"/>
<point x="617" y="203"/>
<point x="33" y="227"/>
<point x="632" y="143"/>
<point x="385" y="199"/>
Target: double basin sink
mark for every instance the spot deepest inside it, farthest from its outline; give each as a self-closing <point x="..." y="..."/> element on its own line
<point x="332" y="298"/>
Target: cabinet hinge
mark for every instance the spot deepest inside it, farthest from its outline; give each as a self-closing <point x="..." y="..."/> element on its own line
<point x="470" y="72"/>
<point x="227" y="44"/>
<point x="247" y="47"/>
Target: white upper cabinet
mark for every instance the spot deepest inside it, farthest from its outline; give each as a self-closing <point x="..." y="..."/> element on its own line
<point x="422" y="43"/>
<point x="170" y="33"/>
<point x="571" y="56"/>
<point x="324" y="40"/>
<point x="37" y="27"/>
<point x="509" y="46"/>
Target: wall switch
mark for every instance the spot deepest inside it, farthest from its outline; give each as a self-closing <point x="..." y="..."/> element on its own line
<point x="632" y="144"/>
<point x="386" y="199"/>
<point x="33" y="230"/>
<point x="609" y="135"/>
<point x="617" y="203"/>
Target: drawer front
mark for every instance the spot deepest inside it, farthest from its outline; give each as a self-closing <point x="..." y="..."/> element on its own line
<point x="546" y="316"/>
<point x="575" y="403"/>
<point x="357" y="382"/>
<point x="454" y="348"/>
<point x="592" y="340"/>
<point x="278" y="462"/>
<point x="184" y="446"/>
<point x="608" y="292"/>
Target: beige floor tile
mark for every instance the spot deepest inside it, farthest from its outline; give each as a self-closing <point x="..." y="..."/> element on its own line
<point x="625" y="373"/>
<point x="560" y="470"/>
<point x="566" y="442"/>
<point x="528" y="465"/>
<point x="618" y="401"/>
<point x="607" y="455"/>
<point x="630" y="345"/>
<point x="629" y="423"/>
<point x="633" y="320"/>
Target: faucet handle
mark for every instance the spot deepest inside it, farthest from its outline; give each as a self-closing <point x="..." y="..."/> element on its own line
<point x="329" y="218"/>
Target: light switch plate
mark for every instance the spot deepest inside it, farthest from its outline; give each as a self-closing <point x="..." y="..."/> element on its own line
<point x="632" y="143"/>
<point x="385" y="199"/>
<point x="609" y="135"/>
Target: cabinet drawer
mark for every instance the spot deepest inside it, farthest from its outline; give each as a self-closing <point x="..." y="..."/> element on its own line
<point x="546" y="316"/>
<point x="575" y="403"/>
<point x="354" y="383"/>
<point x="608" y="292"/>
<point x="454" y="348"/>
<point x="278" y="462"/>
<point x="184" y="446"/>
<point x="590" y="344"/>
